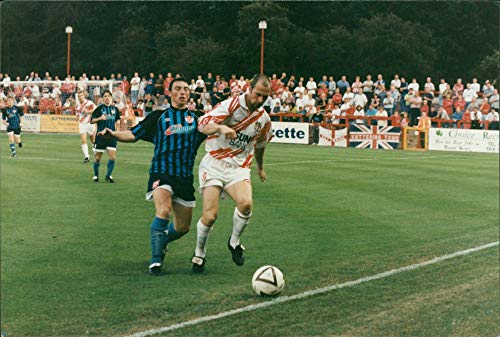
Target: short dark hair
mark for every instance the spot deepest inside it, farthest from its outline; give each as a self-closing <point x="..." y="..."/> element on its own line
<point x="178" y="79"/>
<point x="258" y="78"/>
<point x="107" y="91"/>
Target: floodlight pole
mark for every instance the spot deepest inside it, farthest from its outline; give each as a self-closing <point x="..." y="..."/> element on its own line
<point x="69" y="30"/>
<point x="262" y="27"/>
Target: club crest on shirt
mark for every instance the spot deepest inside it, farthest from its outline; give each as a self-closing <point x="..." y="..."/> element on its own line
<point x="156" y="184"/>
<point x="258" y="126"/>
<point x="189" y="119"/>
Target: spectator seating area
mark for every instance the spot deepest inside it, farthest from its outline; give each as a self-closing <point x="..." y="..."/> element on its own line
<point x="327" y="102"/>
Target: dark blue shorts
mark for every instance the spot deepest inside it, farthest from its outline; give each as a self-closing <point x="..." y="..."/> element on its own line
<point x="182" y="187"/>
<point x="102" y="143"/>
<point x="17" y="131"/>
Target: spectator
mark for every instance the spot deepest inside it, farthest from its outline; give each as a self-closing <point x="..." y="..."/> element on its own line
<point x="337" y="97"/>
<point x="342" y="85"/>
<point x="433" y="114"/>
<point x="311" y="86"/>
<point x="292" y="83"/>
<point x="493" y="100"/>
<point x="460" y="103"/>
<point x="396" y="82"/>
<point x="299" y="89"/>
<point x="371" y="112"/>
<point x="488" y="89"/>
<point x="424" y="121"/>
<point x="448" y="105"/>
<point x="466" y="119"/>
<point x="380" y="81"/>
<point x="476" y="119"/>
<point x="475" y="86"/>
<point x="381" y="113"/>
<point x="359" y="113"/>
<point x="149" y="104"/>
<point x="456" y="117"/>
<point x="357" y="86"/>
<point x="209" y="82"/>
<point x="458" y="88"/>
<point x="468" y="95"/>
<point x="415" y="105"/>
<point x="485" y="107"/>
<point x="331" y="86"/>
<point x="443" y="115"/>
<point x="492" y="118"/>
<point x="429" y="86"/>
<point x="135" y="83"/>
<point x="308" y="100"/>
<point x="191" y="105"/>
<point x="388" y="104"/>
<point x="396" y="119"/>
<point x="142" y="88"/>
<point x="348" y="94"/>
<point x="321" y="103"/>
<point x="414" y="85"/>
<point x="404" y="120"/>
<point x="360" y="98"/>
<point x="442" y="87"/>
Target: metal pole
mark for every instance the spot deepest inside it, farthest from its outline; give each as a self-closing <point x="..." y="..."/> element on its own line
<point x="69" y="43"/>
<point x="262" y="52"/>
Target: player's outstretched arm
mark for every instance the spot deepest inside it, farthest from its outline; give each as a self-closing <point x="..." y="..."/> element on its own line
<point x="259" y="158"/>
<point x="212" y="128"/>
<point x="122" y="136"/>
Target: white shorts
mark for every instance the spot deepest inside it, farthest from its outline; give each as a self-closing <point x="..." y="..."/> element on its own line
<point x="86" y="128"/>
<point x="180" y="201"/>
<point x="215" y="172"/>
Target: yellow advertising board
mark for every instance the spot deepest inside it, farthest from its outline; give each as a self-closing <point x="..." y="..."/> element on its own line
<point x="59" y="123"/>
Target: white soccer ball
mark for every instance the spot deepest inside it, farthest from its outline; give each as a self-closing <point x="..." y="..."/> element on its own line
<point x="268" y="281"/>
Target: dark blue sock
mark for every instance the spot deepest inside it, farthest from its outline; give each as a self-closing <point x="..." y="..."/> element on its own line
<point x="158" y="239"/>
<point x="12" y="148"/>
<point x="96" y="168"/>
<point x="172" y="234"/>
<point x="111" y="166"/>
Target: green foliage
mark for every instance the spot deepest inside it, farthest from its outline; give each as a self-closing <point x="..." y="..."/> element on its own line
<point x="489" y="67"/>
<point x="382" y="49"/>
<point x="414" y="39"/>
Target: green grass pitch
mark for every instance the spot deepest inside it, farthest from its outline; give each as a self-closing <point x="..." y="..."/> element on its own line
<point x="74" y="254"/>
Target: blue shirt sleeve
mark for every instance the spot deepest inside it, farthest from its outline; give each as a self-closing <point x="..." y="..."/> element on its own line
<point x="146" y="129"/>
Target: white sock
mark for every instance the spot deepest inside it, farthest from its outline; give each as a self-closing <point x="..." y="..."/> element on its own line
<point x="240" y="221"/>
<point x="201" y="239"/>
<point x="85" y="150"/>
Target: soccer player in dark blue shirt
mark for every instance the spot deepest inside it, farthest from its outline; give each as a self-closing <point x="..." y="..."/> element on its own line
<point x="12" y="116"/>
<point x="176" y="140"/>
<point x="106" y="116"/>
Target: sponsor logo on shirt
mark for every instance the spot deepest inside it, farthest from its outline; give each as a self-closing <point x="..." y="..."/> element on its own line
<point x="179" y="129"/>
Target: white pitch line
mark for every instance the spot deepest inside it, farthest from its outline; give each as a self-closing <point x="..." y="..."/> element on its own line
<point x="309" y="293"/>
<point x="148" y="162"/>
<point x="362" y="159"/>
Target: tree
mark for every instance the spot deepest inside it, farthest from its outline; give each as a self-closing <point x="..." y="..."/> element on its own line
<point x="489" y="67"/>
<point x="408" y="50"/>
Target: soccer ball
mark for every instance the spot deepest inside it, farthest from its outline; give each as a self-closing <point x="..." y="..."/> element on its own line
<point x="268" y="281"/>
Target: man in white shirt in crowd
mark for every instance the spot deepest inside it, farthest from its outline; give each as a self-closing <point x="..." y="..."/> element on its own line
<point x="134" y="88"/>
<point x="475" y="86"/>
<point x="429" y="86"/>
<point x="468" y="95"/>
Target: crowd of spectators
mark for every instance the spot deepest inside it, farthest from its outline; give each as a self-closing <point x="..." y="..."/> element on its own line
<point x="327" y="101"/>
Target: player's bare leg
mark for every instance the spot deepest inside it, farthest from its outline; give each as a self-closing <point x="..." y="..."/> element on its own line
<point x="241" y="193"/>
<point x="211" y="195"/>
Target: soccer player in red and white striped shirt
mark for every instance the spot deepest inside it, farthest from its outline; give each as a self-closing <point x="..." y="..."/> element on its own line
<point x="238" y="129"/>
<point x="83" y="113"/>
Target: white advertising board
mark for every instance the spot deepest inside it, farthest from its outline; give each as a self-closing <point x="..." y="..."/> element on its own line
<point x="31" y="123"/>
<point x="295" y="133"/>
<point x="464" y="140"/>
